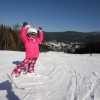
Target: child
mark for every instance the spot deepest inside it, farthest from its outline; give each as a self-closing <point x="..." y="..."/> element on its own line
<point x="31" y="42"/>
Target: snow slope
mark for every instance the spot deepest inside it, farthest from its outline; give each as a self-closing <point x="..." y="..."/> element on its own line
<point x="60" y="76"/>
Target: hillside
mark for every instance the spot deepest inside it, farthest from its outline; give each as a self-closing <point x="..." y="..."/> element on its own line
<point x="72" y="36"/>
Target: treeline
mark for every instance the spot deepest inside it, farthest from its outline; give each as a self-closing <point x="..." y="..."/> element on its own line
<point x="10" y="39"/>
<point x="90" y="47"/>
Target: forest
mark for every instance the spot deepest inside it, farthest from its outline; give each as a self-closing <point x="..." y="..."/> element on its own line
<point x="10" y="40"/>
<point x="90" y="47"/>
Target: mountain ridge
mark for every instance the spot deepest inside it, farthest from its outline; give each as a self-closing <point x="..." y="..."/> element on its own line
<point x="72" y="36"/>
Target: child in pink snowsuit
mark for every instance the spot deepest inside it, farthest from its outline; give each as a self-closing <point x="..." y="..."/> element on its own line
<point x="31" y="42"/>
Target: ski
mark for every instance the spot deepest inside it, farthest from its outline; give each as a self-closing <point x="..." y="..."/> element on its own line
<point x="10" y="78"/>
<point x="36" y="75"/>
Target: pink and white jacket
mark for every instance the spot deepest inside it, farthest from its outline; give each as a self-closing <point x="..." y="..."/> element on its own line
<point x="31" y="45"/>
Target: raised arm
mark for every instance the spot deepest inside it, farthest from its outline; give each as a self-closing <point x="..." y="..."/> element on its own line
<point x="40" y="36"/>
<point x="23" y="35"/>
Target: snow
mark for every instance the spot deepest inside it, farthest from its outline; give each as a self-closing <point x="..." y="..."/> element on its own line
<point x="60" y="76"/>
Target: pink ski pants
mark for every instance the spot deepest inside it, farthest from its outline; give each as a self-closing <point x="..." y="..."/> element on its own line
<point x="26" y="63"/>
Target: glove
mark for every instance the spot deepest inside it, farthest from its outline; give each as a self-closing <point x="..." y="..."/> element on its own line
<point x="28" y="26"/>
<point x="40" y="28"/>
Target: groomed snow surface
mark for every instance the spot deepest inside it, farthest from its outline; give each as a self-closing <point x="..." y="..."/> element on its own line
<point x="60" y="76"/>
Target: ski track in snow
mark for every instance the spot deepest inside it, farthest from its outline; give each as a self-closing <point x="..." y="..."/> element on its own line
<point x="63" y="77"/>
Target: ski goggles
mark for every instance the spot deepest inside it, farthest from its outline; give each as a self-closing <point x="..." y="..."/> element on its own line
<point x="32" y="34"/>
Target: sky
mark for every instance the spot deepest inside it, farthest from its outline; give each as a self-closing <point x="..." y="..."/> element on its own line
<point x="52" y="15"/>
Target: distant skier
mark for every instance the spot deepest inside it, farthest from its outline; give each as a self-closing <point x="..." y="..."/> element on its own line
<point x="31" y="41"/>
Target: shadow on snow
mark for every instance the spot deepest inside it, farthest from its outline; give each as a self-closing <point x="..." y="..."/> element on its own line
<point x="8" y="87"/>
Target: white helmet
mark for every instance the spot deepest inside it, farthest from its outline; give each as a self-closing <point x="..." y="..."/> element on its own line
<point x="31" y="30"/>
